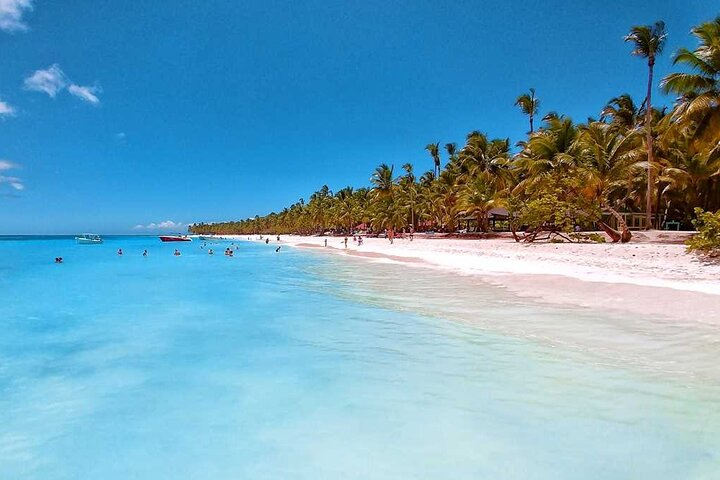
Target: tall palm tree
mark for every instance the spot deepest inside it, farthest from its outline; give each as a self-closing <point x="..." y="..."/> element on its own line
<point x="451" y="149"/>
<point x="434" y="150"/>
<point x="382" y="180"/>
<point x="649" y="41"/>
<point x="529" y="105"/>
<point x="409" y="189"/>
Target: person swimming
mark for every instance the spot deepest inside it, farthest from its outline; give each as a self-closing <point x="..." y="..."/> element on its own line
<point x="145" y="254"/>
<point x="210" y="251"/>
<point x="119" y="251"/>
<point x="278" y="249"/>
<point x="58" y="260"/>
<point x="177" y="253"/>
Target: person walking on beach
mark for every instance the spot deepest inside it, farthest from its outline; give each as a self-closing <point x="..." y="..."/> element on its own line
<point x="326" y="242"/>
<point x="345" y="242"/>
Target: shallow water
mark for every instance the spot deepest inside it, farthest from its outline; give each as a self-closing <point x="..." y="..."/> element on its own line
<point x="308" y="366"/>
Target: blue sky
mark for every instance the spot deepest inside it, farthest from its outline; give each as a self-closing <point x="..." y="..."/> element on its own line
<point x="116" y="114"/>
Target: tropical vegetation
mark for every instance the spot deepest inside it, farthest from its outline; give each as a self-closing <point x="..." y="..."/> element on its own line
<point x="707" y="240"/>
<point x="633" y="161"/>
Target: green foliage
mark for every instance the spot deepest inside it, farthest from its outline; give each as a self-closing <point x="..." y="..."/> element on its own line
<point x="558" y="204"/>
<point x="707" y="239"/>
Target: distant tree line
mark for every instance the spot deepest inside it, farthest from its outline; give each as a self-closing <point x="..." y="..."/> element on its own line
<point x="633" y="158"/>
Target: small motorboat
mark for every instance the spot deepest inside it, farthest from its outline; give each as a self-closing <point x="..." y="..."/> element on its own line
<point x="89" y="239"/>
<point x="210" y="238"/>
<point x="175" y="238"/>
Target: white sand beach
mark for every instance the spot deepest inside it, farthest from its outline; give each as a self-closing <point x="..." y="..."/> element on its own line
<point x="651" y="275"/>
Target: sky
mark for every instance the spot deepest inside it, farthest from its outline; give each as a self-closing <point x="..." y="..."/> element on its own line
<point x="142" y="117"/>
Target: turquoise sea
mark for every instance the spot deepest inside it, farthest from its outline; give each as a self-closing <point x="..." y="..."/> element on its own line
<point x="302" y="365"/>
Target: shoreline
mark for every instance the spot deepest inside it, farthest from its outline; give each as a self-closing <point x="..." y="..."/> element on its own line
<point x="645" y="278"/>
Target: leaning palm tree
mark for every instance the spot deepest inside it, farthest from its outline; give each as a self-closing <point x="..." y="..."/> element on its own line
<point x="529" y="105"/>
<point x="649" y="41"/>
<point x="434" y="150"/>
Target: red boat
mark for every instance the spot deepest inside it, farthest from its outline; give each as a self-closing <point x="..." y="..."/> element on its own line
<point x="175" y="238"/>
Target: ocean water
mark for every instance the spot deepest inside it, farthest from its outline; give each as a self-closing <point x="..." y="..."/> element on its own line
<point x="301" y="365"/>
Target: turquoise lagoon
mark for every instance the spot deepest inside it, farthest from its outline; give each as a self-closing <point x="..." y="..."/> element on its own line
<point x="301" y="365"/>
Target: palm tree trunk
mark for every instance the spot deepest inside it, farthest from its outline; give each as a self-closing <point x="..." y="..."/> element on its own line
<point x="625" y="234"/>
<point x="648" y="139"/>
<point x="657" y="204"/>
<point x="531" y="123"/>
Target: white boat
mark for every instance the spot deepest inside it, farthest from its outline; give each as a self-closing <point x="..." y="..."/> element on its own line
<point x="210" y="238"/>
<point x="89" y="239"/>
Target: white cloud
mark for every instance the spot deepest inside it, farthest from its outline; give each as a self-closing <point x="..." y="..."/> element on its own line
<point x="85" y="93"/>
<point x="166" y="225"/>
<point x="51" y="80"/>
<point x="11" y="12"/>
<point x="6" y="110"/>
<point x="7" y="165"/>
<point x="14" y="182"/>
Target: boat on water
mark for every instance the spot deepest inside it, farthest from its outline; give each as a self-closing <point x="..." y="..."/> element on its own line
<point x="210" y="238"/>
<point x="175" y="238"/>
<point x="89" y="239"/>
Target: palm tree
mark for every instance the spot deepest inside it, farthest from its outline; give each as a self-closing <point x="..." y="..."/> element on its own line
<point x="699" y="91"/>
<point x="383" y="181"/>
<point x="606" y="162"/>
<point x="434" y="150"/>
<point x="477" y="199"/>
<point x="622" y="112"/>
<point x="409" y="190"/>
<point x="649" y="41"/>
<point x="529" y="105"/>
